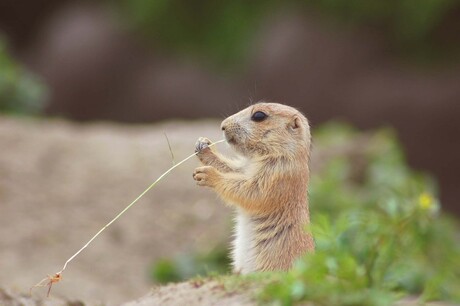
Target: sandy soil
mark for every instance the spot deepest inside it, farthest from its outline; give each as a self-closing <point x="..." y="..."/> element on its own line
<point x="195" y="293"/>
<point x="61" y="182"/>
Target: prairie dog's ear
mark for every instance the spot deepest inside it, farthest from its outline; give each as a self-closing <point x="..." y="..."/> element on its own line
<point x="295" y="123"/>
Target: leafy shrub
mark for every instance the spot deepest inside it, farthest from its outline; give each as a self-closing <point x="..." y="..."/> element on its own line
<point x="378" y="239"/>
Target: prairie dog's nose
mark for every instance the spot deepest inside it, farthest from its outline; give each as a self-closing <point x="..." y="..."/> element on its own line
<point x="222" y="126"/>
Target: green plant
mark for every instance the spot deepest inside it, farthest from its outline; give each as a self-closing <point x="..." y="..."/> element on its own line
<point x="377" y="240"/>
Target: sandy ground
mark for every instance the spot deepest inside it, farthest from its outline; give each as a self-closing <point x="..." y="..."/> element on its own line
<point x="205" y="293"/>
<point x="61" y="182"/>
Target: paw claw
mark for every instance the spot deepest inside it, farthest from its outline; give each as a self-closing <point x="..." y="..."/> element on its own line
<point x="202" y="144"/>
<point x="204" y="176"/>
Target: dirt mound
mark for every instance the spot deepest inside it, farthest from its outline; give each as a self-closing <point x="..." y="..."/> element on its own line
<point x="195" y="293"/>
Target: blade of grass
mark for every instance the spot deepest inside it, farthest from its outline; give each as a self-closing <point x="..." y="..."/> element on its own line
<point x="170" y="149"/>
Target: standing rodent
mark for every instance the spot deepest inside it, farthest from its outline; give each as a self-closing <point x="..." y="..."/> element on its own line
<point x="267" y="184"/>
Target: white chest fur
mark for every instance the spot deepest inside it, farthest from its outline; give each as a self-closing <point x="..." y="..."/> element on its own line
<point x="243" y="250"/>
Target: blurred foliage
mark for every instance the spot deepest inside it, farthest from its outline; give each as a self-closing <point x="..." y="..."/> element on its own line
<point x="189" y="265"/>
<point x="377" y="240"/>
<point x="223" y="30"/>
<point x="20" y="91"/>
<point x="217" y="29"/>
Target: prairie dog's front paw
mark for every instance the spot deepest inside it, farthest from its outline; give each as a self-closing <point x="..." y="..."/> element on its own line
<point x="206" y="176"/>
<point x="202" y="144"/>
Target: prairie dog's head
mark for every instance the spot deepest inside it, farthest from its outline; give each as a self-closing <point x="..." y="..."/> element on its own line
<point x="268" y="128"/>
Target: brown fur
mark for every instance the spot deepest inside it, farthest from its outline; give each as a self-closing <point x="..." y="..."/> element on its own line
<point x="267" y="185"/>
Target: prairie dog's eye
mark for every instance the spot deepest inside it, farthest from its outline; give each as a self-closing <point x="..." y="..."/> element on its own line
<point x="259" y="116"/>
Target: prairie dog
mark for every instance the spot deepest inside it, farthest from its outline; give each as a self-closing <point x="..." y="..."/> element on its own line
<point x="267" y="183"/>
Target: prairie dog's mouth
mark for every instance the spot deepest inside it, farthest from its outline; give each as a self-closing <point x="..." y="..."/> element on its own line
<point x="230" y="139"/>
